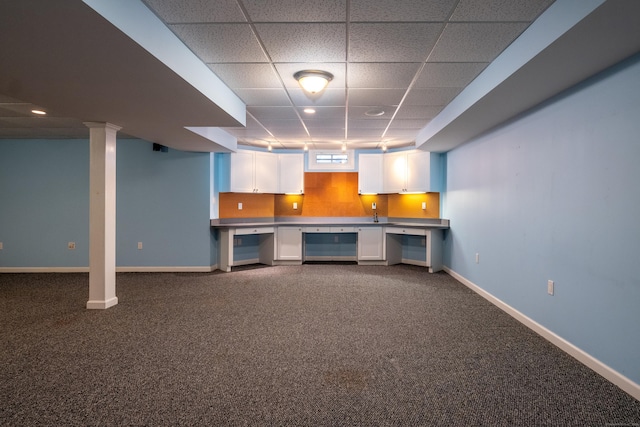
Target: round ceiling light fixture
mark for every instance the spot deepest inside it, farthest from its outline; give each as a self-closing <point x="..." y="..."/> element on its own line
<point x="313" y="81"/>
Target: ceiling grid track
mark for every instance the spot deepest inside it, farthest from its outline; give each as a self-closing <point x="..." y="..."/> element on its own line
<point x="417" y="75"/>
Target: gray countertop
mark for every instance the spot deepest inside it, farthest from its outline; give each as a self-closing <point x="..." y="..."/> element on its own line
<point x="329" y="221"/>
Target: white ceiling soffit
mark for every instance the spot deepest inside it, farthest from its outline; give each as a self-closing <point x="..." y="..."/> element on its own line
<point x="568" y="43"/>
<point x="64" y="56"/>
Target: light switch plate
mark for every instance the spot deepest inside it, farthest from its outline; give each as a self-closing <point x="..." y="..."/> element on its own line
<point x="239" y="206"/>
<point x="295" y="205"/>
<point x="424" y="206"/>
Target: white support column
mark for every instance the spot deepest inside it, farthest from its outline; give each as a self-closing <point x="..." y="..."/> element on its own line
<point x="102" y="216"/>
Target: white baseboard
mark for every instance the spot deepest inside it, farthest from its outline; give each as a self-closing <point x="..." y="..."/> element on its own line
<point x="583" y="357"/>
<point x="330" y="258"/>
<point x="44" y="269"/>
<point x="122" y="269"/>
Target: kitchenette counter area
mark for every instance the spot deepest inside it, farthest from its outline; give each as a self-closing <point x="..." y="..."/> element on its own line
<point x="292" y="241"/>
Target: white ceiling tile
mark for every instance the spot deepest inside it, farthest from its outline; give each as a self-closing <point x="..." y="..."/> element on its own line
<point x="392" y="42"/>
<point x="499" y="10"/>
<point x="304" y="42"/>
<point x="449" y="74"/>
<point x="381" y="75"/>
<point x="323" y="113"/>
<point x="287" y="70"/>
<point x="375" y="97"/>
<point x="296" y="10"/>
<point x="408" y="124"/>
<point x="431" y="96"/>
<point x="367" y="134"/>
<point x="418" y="112"/>
<point x="221" y="42"/>
<point x="327" y="98"/>
<point x="407" y="10"/>
<point x="247" y="75"/>
<point x="357" y="112"/>
<point x="368" y="124"/>
<point x="264" y="97"/>
<point x="171" y="11"/>
<point x="477" y="42"/>
<point x="337" y="123"/>
<point x="268" y="113"/>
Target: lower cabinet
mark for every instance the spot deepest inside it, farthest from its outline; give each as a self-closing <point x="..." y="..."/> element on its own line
<point x="289" y="244"/>
<point x="371" y="244"/>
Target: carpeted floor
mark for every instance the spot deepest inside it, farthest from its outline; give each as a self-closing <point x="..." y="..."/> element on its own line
<point x="308" y="345"/>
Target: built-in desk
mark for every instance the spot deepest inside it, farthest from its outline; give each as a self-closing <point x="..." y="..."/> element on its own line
<point x="384" y="243"/>
<point x="429" y="241"/>
<point x="228" y="236"/>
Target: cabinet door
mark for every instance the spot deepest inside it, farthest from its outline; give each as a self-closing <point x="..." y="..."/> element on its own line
<point x="395" y="172"/>
<point x="370" y="174"/>
<point x="418" y="171"/>
<point x="370" y="244"/>
<point x="266" y="173"/>
<point x="289" y="243"/>
<point x="291" y="173"/>
<point x="242" y="171"/>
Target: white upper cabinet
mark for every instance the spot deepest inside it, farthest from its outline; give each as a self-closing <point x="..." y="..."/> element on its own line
<point x="254" y="172"/>
<point x="291" y="173"/>
<point x="407" y="171"/>
<point x="370" y="174"/>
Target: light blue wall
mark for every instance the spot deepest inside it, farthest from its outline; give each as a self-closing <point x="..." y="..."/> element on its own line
<point x="555" y="195"/>
<point x="44" y="190"/>
<point x="162" y="201"/>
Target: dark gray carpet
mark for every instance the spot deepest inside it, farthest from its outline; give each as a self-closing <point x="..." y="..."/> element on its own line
<point x="308" y="345"/>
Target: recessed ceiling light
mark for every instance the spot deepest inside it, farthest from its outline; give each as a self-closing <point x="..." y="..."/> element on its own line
<point x="374" y="112"/>
<point x="39" y="112"/>
<point x="309" y="110"/>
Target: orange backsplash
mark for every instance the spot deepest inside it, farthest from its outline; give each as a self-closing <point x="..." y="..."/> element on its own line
<point x="328" y="194"/>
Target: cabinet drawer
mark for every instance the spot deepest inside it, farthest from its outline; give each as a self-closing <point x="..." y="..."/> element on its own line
<point x="407" y="230"/>
<point x="347" y="229"/>
<point x="253" y="230"/>
<point x="317" y="229"/>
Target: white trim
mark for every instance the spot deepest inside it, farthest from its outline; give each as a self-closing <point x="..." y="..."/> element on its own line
<point x="123" y="269"/>
<point x="583" y="357"/>
<point x="165" y="269"/>
<point x="330" y="258"/>
<point x="44" y="269"/>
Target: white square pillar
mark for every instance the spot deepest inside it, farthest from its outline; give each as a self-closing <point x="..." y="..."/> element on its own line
<point x="102" y="215"/>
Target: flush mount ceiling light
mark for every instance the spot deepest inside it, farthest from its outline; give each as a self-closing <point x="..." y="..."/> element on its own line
<point x="313" y="81"/>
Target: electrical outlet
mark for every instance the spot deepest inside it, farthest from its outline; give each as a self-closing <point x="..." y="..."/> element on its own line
<point x="139" y="245"/>
<point x="424" y="206"/>
<point x="71" y="245"/>
<point x="295" y="205"/>
<point x="477" y="257"/>
<point x="373" y="206"/>
<point x="240" y="206"/>
<point x="550" y="286"/>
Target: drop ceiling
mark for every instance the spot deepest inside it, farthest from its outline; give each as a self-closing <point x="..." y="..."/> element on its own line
<point x="408" y="59"/>
<point x="403" y="70"/>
